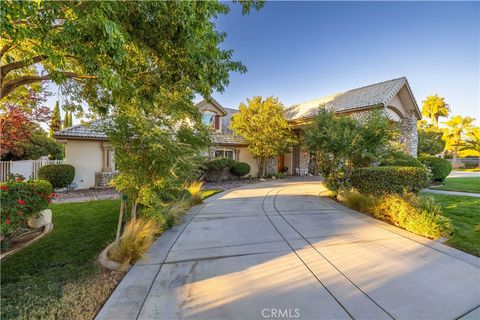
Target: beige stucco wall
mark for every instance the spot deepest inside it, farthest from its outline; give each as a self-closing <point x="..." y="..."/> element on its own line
<point x="246" y="156"/>
<point x="87" y="158"/>
<point x="397" y="104"/>
<point x="288" y="162"/>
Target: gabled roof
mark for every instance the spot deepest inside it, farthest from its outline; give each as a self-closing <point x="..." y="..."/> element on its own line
<point x="374" y="95"/>
<point x="88" y="131"/>
<point x="214" y="102"/>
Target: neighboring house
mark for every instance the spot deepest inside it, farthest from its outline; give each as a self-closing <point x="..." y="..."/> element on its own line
<point x="87" y="148"/>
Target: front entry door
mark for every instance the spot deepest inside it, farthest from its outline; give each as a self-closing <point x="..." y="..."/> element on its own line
<point x="281" y="163"/>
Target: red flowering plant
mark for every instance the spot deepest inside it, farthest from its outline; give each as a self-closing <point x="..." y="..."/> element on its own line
<point x="19" y="201"/>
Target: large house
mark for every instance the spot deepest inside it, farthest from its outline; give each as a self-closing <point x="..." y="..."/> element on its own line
<point x="88" y="150"/>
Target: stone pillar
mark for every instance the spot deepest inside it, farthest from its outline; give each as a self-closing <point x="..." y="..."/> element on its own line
<point x="107" y="157"/>
<point x="272" y="166"/>
<point x="409" y="133"/>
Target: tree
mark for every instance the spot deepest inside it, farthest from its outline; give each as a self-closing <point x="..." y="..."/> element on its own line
<point x="22" y="138"/>
<point x="55" y="123"/>
<point x="472" y="141"/>
<point x="457" y="128"/>
<point x="84" y="45"/>
<point x="435" y="107"/>
<point x="430" y="139"/>
<point x="263" y="125"/>
<point x="138" y="64"/>
<point x="342" y="143"/>
<point x="65" y="121"/>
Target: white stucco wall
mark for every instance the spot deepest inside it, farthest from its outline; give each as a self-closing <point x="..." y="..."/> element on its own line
<point x="87" y="158"/>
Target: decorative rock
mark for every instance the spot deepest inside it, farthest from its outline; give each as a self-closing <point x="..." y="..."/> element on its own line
<point x="102" y="179"/>
<point x="44" y="218"/>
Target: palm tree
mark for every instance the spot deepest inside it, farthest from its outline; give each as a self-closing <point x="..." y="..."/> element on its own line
<point x="435" y="107"/>
<point x="457" y="128"/>
<point x="472" y="141"/>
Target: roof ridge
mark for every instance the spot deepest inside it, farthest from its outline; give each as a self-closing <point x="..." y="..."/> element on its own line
<point x="354" y="89"/>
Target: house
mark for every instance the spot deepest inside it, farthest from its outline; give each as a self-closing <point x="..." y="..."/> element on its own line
<point x="88" y="150"/>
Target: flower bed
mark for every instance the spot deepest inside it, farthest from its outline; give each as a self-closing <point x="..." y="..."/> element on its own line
<point x="21" y="202"/>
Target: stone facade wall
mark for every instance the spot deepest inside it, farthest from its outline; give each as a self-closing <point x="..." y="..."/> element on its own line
<point x="103" y="178"/>
<point x="409" y="133"/>
<point x="304" y="158"/>
<point x="272" y="166"/>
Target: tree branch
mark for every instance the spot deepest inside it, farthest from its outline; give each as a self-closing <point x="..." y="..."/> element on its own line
<point x="9" y="86"/>
<point x="5" y="49"/>
<point x="5" y="69"/>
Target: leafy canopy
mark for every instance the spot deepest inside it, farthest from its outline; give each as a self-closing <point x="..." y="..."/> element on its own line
<point x="263" y="125"/>
<point x="430" y="139"/>
<point x="434" y="107"/>
<point x="457" y="128"/>
<point x="343" y="143"/>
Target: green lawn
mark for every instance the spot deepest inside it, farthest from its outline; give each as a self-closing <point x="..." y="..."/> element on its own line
<point x="469" y="184"/>
<point x="465" y="214"/>
<point x="57" y="277"/>
<point x="210" y="192"/>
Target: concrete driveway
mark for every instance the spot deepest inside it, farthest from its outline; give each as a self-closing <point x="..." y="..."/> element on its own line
<point x="277" y="250"/>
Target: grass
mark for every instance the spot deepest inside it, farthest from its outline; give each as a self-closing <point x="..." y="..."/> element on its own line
<point x="195" y="190"/>
<point x="209" y="193"/>
<point x="465" y="215"/>
<point x="137" y="237"/>
<point x="467" y="170"/>
<point x="468" y="184"/>
<point x="57" y="277"/>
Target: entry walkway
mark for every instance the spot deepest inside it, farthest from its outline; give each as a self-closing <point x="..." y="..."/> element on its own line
<point x="277" y="250"/>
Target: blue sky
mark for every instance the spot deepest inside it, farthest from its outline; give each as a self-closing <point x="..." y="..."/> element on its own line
<point x="300" y="51"/>
<point x="304" y="50"/>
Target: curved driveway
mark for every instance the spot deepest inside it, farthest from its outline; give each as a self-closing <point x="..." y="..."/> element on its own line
<point x="278" y="250"/>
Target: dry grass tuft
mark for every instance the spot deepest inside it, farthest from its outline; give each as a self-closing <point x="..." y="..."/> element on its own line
<point x="195" y="190"/>
<point x="137" y="237"/>
<point x="174" y="212"/>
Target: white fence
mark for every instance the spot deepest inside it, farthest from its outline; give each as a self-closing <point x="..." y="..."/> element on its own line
<point x="27" y="168"/>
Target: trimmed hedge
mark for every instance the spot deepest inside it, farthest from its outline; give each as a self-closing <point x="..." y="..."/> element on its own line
<point x="217" y="169"/>
<point x="240" y="169"/>
<point x="439" y="167"/>
<point x="400" y="159"/>
<point x="388" y="180"/>
<point x="59" y="175"/>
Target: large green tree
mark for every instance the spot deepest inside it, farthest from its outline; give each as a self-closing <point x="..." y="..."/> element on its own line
<point x="137" y="63"/>
<point x="457" y="128"/>
<point x="262" y="123"/>
<point x="430" y="139"/>
<point x="434" y="107"/>
<point x="343" y="143"/>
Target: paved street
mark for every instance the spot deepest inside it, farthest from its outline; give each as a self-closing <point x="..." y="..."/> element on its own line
<point x="278" y="250"/>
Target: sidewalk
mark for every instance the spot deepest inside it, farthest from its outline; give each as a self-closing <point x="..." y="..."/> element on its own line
<point x="452" y="193"/>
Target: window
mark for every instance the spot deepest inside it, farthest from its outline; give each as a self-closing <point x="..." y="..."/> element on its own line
<point x="208" y="119"/>
<point x="224" y="153"/>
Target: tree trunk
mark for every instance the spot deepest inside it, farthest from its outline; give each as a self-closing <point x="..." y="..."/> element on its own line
<point x="134" y="210"/>
<point x="455" y="153"/>
<point x="435" y="121"/>
<point x="261" y="167"/>
<point x="120" y="217"/>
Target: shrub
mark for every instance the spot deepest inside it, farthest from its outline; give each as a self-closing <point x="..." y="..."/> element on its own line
<point x="360" y="202"/>
<point x="195" y="190"/>
<point x="240" y="169"/>
<point x="440" y="168"/>
<point x="470" y="165"/>
<point x="137" y="237"/>
<point x="400" y="159"/>
<point x="59" y="175"/>
<point x="386" y="180"/>
<point x="19" y="201"/>
<point x="217" y="169"/>
<point x="417" y="214"/>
